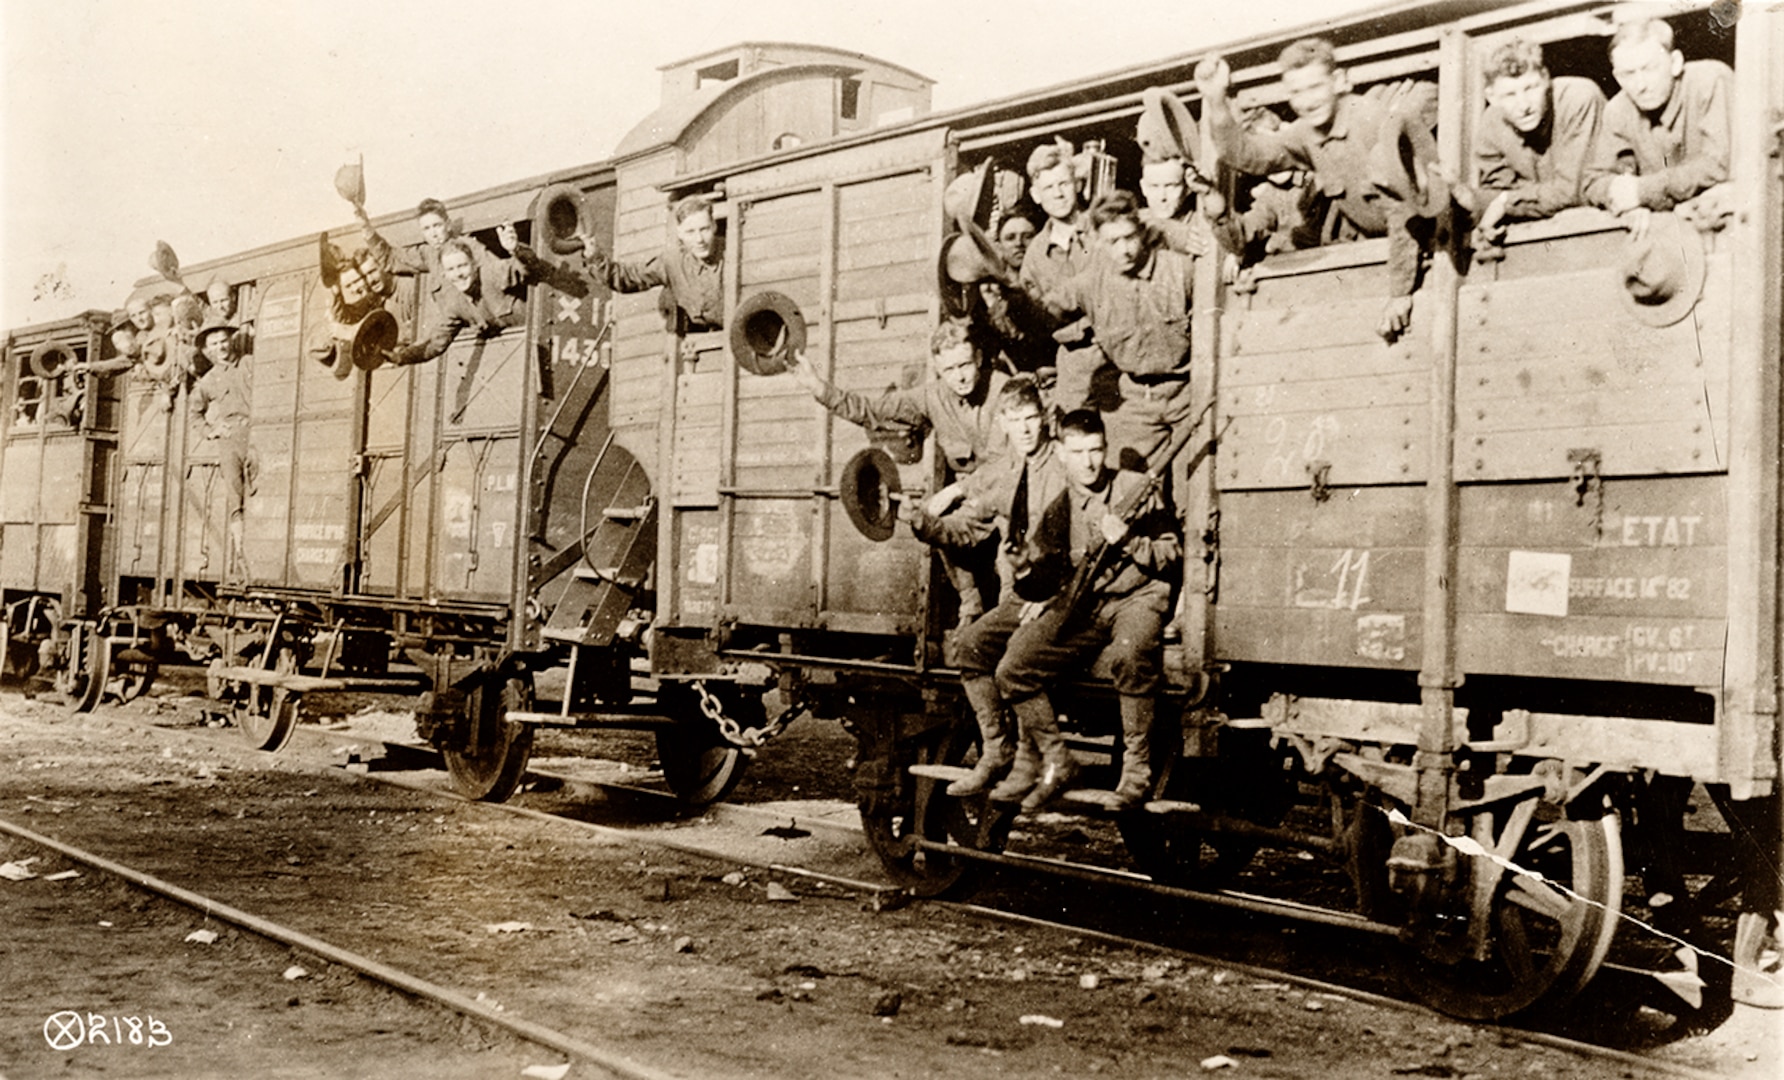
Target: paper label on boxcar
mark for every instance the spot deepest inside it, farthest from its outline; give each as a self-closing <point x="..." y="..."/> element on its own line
<point x="1536" y="582"/>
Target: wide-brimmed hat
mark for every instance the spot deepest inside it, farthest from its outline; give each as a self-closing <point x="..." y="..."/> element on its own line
<point x="350" y="182"/>
<point x="1166" y="130"/>
<point x="983" y="195"/>
<point x="1660" y="276"/>
<point x="967" y="258"/>
<point x="214" y="326"/>
<point x="1403" y="163"/>
<point x="375" y="335"/>
<point x="164" y="262"/>
<point x="766" y="330"/>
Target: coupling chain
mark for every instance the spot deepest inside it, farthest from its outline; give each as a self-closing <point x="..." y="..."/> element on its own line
<point x="733" y="732"/>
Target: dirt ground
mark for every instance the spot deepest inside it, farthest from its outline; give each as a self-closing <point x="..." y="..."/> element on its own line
<point x="682" y="962"/>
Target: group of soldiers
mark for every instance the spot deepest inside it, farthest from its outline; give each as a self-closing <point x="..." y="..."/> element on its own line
<point x="1061" y="369"/>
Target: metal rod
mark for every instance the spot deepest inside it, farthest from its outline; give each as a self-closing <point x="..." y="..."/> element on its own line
<point x="1077" y="872"/>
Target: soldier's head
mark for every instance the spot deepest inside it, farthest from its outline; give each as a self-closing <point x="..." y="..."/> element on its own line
<point x="1014" y="233"/>
<point x="137" y="311"/>
<point x="161" y="310"/>
<point x="1311" y="80"/>
<point x="123" y="339"/>
<point x="1083" y="447"/>
<point x="436" y="224"/>
<point x="1164" y="186"/>
<point x="217" y="343"/>
<point x="1021" y="414"/>
<point x="1119" y="232"/>
<point x="1052" y="182"/>
<point x="954" y="356"/>
<point x="695" y="227"/>
<point x="220" y="297"/>
<point x="459" y="264"/>
<point x="1645" y="63"/>
<point x="1518" y="84"/>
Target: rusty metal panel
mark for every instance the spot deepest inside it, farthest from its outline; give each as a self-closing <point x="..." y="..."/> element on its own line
<point x="1336" y="582"/>
<point x="1555" y="583"/>
<point x="770" y="562"/>
<point x="1551" y="364"/>
<point x="1308" y="385"/>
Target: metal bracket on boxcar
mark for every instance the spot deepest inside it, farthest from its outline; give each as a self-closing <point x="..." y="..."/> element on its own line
<point x="1320" y="473"/>
<point x="1586" y="479"/>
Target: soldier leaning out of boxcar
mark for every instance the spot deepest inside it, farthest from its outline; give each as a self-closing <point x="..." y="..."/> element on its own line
<point x="998" y="502"/>
<point x="221" y="399"/>
<point x="1664" y="144"/>
<point x="435" y="222"/>
<point x="1121" y="615"/>
<point x="1022" y="328"/>
<point x="1534" y="139"/>
<point x="486" y="297"/>
<point x="1136" y="295"/>
<point x="1334" y="135"/>
<point x="957" y="403"/>
<point x="1270" y="214"/>
<point x="358" y="285"/>
<point x="691" y="273"/>
<point x="1168" y="146"/>
<point x="1060" y="250"/>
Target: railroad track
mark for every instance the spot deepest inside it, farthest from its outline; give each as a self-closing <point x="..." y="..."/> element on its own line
<point x="741" y="817"/>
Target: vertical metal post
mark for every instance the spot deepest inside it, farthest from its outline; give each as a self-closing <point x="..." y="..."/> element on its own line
<point x="1438" y="676"/>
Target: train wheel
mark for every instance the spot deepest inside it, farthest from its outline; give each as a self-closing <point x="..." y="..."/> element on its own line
<point x="132" y="673"/>
<point x="89" y="664"/>
<point x="893" y="822"/>
<point x="1546" y="930"/>
<point x="490" y="770"/>
<point x="698" y="764"/>
<point x="270" y="713"/>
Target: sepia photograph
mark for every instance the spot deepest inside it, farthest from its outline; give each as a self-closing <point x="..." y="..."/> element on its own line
<point x="796" y="541"/>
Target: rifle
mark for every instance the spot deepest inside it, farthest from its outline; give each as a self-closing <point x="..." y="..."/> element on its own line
<point x="1129" y="510"/>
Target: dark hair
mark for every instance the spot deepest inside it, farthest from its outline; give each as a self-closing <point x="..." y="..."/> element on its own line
<point x="1082" y="422"/>
<point x="1025" y="210"/>
<point x="1020" y="390"/>
<point x="1514" y="58"/>
<point x="953" y="333"/>
<point x="688" y="207"/>
<point x="1636" y="31"/>
<point x="1114" y="206"/>
<point x="433" y="206"/>
<point x="1307" y="52"/>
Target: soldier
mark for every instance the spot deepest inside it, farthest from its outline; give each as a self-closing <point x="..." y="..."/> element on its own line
<point x="1167" y="135"/>
<point x="137" y="312"/>
<point x="222" y="399"/>
<point x="436" y="226"/>
<point x="1123" y="611"/>
<point x="957" y="404"/>
<point x="1534" y="138"/>
<point x="1332" y="136"/>
<point x="485" y="298"/>
<point x="1001" y="499"/>
<point x="358" y="285"/>
<point x="691" y="274"/>
<point x="1665" y="139"/>
<point x="1060" y="250"/>
<point x="1016" y="231"/>
<point x="1276" y="208"/>
<point x="1137" y="296"/>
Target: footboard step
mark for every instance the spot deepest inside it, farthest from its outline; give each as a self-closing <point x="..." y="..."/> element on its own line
<point x="1172" y="806"/>
<point x="1097" y="797"/>
<point x="950" y="773"/>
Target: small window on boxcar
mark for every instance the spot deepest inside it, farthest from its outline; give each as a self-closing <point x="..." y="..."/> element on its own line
<point x="27" y="400"/>
<point x="850" y="107"/>
<point x="716" y="73"/>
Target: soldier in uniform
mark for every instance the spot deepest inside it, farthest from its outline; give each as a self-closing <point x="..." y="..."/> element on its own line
<point x="1665" y="140"/>
<point x="435" y="222"/>
<point x="1333" y="136"/>
<point x="999" y="500"/>
<point x="486" y="297"/>
<point x="957" y="403"/>
<point x="1123" y="611"/>
<point x="1533" y="140"/>
<point x="691" y="274"/>
<point x="1060" y="250"/>
<point x="1136" y="295"/>
<point x="222" y="399"/>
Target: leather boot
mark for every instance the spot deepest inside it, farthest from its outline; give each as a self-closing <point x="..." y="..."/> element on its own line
<point x="1058" y="769"/>
<point x="1136" y="758"/>
<point x="1024" y="772"/>
<point x="995" y="751"/>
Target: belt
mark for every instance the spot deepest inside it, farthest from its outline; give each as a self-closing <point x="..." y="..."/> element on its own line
<point x="1152" y="387"/>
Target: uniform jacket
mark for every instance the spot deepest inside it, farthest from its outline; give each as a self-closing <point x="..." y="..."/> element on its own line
<point x="499" y="303"/>
<point x="224" y="397"/>
<point x="1544" y="172"/>
<point x="698" y="285"/>
<point x="1676" y="154"/>
<point x="1141" y="319"/>
<point x="966" y="429"/>
<point x="1147" y="556"/>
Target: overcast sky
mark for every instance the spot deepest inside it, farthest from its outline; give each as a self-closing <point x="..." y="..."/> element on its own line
<point x="218" y="126"/>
